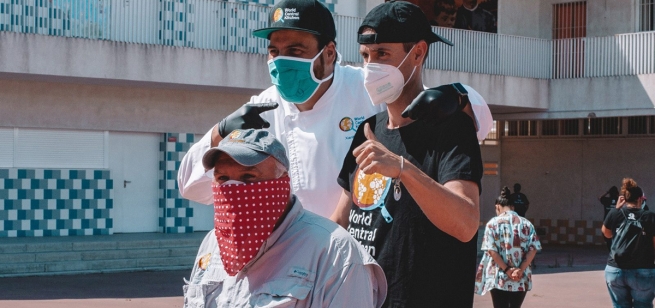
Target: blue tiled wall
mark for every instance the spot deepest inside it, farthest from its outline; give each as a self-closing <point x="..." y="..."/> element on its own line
<point x="52" y="202"/>
<point x="174" y="211"/>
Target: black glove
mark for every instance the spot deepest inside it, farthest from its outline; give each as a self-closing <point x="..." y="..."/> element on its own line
<point x="247" y="116"/>
<point x="436" y="103"/>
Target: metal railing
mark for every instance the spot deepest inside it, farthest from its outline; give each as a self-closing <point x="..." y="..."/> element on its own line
<point x="221" y="25"/>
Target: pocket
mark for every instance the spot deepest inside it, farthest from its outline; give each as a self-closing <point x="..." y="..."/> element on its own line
<point x="612" y="276"/>
<point x="282" y="293"/>
<point x="645" y="279"/>
<point x="196" y="295"/>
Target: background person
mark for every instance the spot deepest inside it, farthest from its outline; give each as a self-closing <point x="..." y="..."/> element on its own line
<point x="609" y="200"/>
<point x="519" y="201"/>
<point x="314" y="108"/>
<point x="631" y="283"/>
<point x="510" y="244"/>
<point x="445" y="13"/>
<point x="402" y="175"/>
<point x="288" y="256"/>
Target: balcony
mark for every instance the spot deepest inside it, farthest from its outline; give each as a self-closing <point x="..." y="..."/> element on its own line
<point x="219" y="25"/>
<point x="512" y="72"/>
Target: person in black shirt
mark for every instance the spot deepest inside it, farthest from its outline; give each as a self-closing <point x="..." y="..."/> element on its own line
<point x="632" y="283"/>
<point x="519" y="201"/>
<point x="470" y="16"/>
<point x="411" y="187"/>
<point x="609" y="199"/>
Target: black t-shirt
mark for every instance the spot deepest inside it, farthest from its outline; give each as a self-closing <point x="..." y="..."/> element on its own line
<point x="520" y="203"/>
<point x="647" y="219"/>
<point x="424" y="266"/>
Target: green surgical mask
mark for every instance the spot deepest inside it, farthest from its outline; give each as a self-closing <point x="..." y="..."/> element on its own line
<point x="294" y="77"/>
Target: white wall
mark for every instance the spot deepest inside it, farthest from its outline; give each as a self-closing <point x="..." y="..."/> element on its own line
<point x="535" y="18"/>
<point x="564" y="177"/>
<point x="38" y="104"/>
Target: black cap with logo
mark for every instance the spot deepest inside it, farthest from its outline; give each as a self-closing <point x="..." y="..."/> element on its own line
<point x="398" y="22"/>
<point x="301" y="15"/>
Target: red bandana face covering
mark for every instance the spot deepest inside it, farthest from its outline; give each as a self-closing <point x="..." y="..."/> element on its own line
<point x="244" y="217"/>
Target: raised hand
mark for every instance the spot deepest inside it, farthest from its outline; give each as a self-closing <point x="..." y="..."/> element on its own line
<point x="247" y="116"/>
<point x="373" y="157"/>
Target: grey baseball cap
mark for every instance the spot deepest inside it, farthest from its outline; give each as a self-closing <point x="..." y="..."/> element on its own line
<point x="247" y="147"/>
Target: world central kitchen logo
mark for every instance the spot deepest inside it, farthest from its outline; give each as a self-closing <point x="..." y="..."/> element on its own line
<point x="286" y="14"/>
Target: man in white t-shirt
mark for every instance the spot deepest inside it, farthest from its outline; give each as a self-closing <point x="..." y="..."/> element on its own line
<point x="314" y="108"/>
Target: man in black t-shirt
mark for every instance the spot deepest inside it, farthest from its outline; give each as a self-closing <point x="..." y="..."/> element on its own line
<point x="519" y="201"/>
<point x="411" y="187"/>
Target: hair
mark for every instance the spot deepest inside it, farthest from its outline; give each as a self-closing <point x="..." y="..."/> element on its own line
<point x="445" y="6"/>
<point x="614" y="192"/>
<point x="322" y="42"/>
<point x="631" y="191"/>
<point x="504" y="196"/>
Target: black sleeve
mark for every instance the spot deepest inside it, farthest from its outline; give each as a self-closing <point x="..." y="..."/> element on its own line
<point x="349" y="164"/>
<point x="611" y="220"/>
<point x="460" y="157"/>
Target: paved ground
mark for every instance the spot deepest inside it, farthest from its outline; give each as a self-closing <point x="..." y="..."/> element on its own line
<point x="564" y="277"/>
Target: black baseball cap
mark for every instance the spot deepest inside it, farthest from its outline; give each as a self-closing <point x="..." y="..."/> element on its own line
<point x="398" y="22"/>
<point x="301" y="15"/>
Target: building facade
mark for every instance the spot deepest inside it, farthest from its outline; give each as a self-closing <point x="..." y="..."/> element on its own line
<point x="100" y="99"/>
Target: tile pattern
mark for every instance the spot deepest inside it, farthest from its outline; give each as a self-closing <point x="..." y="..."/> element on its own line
<point x="176" y="25"/>
<point x="55" y="202"/>
<point x="564" y="231"/>
<point x="174" y="210"/>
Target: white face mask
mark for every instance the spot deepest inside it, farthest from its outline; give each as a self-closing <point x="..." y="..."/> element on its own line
<point x="384" y="83"/>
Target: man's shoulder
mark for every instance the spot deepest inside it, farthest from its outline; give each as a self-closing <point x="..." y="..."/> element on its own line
<point x="334" y="238"/>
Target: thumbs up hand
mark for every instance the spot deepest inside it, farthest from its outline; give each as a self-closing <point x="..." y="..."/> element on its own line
<point x="373" y="157"/>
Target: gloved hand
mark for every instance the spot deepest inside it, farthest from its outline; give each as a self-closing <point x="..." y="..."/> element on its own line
<point x="247" y="116"/>
<point x="435" y="104"/>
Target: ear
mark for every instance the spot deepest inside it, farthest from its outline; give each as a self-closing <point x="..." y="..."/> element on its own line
<point x="420" y="52"/>
<point x="330" y="52"/>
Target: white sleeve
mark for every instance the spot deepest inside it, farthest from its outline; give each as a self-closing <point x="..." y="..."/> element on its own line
<point x="358" y="285"/>
<point x="192" y="180"/>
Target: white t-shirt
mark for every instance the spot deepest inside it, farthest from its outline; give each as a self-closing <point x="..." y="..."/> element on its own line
<point x="316" y="141"/>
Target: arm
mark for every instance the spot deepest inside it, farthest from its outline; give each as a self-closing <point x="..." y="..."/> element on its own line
<point x="192" y="180"/>
<point x="340" y="215"/>
<point x="458" y="198"/>
<point x="606" y="232"/>
<point x="499" y="260"/>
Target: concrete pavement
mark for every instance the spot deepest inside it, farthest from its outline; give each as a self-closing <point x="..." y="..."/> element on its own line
<point x="564" y="277"/>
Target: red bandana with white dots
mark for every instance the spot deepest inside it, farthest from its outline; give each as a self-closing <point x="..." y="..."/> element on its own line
<point x="244" y="217"/>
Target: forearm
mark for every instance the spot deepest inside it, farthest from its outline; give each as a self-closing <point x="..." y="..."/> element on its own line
<point x="191" y="176"/>
<point x="459" y="199"/>
<point x="528" y="259"/>
<point x="340" y="215"/>
<point x="498" y="260"/>
<point x="606" y="232"/>
<point x="215" y="137"/>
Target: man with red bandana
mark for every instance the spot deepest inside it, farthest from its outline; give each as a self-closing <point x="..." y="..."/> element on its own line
<point x="266" y="250"/>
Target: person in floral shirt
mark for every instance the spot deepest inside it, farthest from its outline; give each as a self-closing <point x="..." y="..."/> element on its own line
<point x="510" y="243"/>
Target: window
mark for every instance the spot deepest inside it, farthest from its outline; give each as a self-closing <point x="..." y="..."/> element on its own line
<point x="520" y="128"/>
<point x="602" y="126"/>
<point x="646" y="15"/>
<point x="570" y="127"/>
<point x="492" y="136"/>
<point x="637" y="125"/>
<point x="549" y="127"/>
<point x="569" y="27"/>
